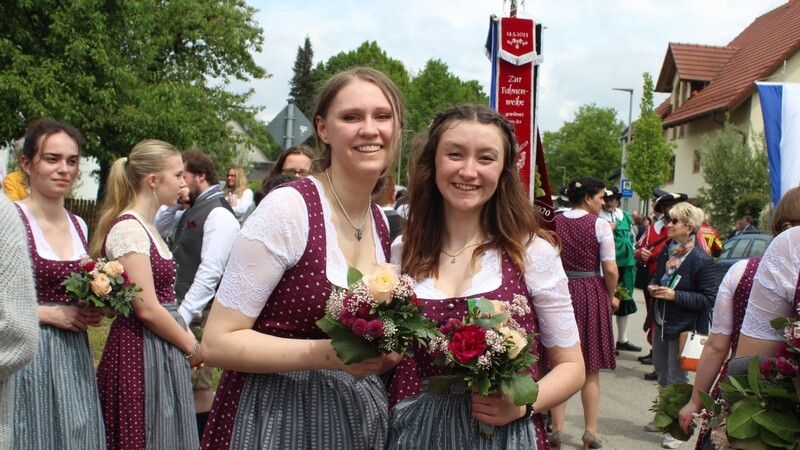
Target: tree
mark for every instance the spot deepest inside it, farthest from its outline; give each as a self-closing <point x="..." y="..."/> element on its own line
<point x="367" y="54"/>
<point x="586" y="146"/>
<point x="126" y="71"/>
<point x="649" y="154"/>
<point x="303" y="79"/>
<point x="736" y="176"/>
<point x="435" y="89"/>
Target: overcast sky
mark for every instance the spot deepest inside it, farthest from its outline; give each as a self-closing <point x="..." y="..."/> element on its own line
<point x="589" y="46"/>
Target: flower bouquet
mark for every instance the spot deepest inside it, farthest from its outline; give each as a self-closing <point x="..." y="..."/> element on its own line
<point x="667" y="407"/>
<point x="760" y="409"/>
<point x="102" y="284"/>
<point x="487" y="350"/>
<point x="378" y="313"/>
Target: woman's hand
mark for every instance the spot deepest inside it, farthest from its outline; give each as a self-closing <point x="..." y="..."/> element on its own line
<point x="645" y="255"/>
<point x="496" y="409"/>
<point x="372" y="366"/>
<point x="686" y="415"/>
<point x="662" y="293"/>
<point x="92" y="315"/>
<point x="70" y="318"/>
<point x="615" y="304"/>
<point x="197" y="361"/>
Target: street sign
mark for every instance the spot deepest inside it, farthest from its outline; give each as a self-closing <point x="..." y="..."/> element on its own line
<point x="627" y="190"/>
<point x="290" y="127"/>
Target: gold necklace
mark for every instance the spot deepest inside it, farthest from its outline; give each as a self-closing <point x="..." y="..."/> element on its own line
<point x="358" y="233"/>
<point x="453" y="257"/>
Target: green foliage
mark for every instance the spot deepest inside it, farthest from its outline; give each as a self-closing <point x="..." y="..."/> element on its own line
<point x="736" y="175"/>
<point x="302" y="82"/>
<point x="667" y="407"/>
<point x="122" y="72"/>
<point x="586" y="146"/>
<point x="647" y="164"/>
<point x="368" y="54"/>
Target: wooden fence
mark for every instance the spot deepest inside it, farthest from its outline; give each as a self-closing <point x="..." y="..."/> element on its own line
<point x="88" y="210"/>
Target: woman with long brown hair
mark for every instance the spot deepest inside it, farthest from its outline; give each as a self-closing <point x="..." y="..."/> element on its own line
<point x="56" y="404"/>
<point x="472" y="233"/>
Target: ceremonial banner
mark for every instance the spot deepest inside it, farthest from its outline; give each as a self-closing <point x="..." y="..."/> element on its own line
<point x="780" y="106"/>
<point x="511" y="46"/>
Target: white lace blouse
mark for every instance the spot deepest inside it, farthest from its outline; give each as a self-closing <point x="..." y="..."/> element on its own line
<point x="271" y="241"/>
<point x="544" y="277"/>
<point x="43" y="247"/>
<point x="774" y="286"/>
<point x="131" y="236"/>
<point x="723" y="306"/>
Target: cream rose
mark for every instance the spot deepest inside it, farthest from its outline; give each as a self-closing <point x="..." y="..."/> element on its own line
<point x="101" y="285"/>
<point x="382" y="282"/>
<point x="113" y="269"/>
<point x="517" y="339"/>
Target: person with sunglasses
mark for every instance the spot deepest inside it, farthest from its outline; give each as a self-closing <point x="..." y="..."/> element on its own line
<point x="683" y="289"/>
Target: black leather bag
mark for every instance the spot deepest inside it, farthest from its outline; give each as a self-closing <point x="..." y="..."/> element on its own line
<point x="642" y="276"/>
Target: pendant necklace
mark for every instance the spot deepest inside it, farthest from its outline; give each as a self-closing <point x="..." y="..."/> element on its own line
<point x="453" y="257"/>
<point x="358" y="233"/>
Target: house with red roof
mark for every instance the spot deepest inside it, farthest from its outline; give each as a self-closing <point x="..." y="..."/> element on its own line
<point x="707" y="83"/>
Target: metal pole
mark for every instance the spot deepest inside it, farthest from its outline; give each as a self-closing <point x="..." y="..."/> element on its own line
<point x="287" y="138"/>
<point x="563" y="175"/>
<point x="624" y="145"/>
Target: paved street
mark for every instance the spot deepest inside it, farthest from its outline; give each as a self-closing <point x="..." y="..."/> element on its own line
<point x="626" y="399"/>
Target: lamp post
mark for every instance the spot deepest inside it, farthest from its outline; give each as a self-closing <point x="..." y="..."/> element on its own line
<point x="563" y="175"/>
<point x="628" y="139"/>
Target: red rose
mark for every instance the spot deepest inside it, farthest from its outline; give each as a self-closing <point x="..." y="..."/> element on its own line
<point x="89" y="266"/>
<point x="451" y="326"/>
<point x="127" y="281"/>
<point x="467" y="343"/>
<point x="415" y="301"/>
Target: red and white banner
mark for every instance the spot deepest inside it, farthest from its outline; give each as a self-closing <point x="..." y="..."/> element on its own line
<point x="511" y="46"/>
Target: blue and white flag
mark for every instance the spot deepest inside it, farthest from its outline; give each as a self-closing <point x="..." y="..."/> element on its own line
<point x="780" y="105"/>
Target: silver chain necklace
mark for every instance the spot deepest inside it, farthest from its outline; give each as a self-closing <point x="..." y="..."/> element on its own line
<point x="358" y="233"/>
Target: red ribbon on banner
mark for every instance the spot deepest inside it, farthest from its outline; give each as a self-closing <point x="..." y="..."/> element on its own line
<point x="515" y="95"/>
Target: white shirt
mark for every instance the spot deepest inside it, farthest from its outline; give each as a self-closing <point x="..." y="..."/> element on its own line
<point x="774" y="287"/>
<point x="272" y="241"/>
<point x="243" y="204"/>
<point x="723" y="306"/>
<point x="544" y="278"/>
<point x="43" y="247"/>
<point x="219" y="233"/>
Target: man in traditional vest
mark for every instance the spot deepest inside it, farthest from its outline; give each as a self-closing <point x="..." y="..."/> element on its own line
<point x="624" y="238"/>
<point x="201" y="245"/>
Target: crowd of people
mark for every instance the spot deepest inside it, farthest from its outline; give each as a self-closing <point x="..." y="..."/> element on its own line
<point x="236" y="279"/>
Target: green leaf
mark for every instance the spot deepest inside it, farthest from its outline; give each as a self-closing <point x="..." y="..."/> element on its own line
<point x="740" y="422"/>
<point x="484" y="385"/>
<point x="661" y="420"/>
<point x="521" y="388"/>
<point x="774" y="421"/>
<point x="488" y="323"/>
<point x="753" y="443"/>
<point x="774" y="440"/>
<point x="472" y="303"/>
<point x="779" y="323"/>
<point x="753" y="376"/>
<point x="353" y="276"/>
<point x="737" y="385"/>
<point x="441" y="384"/>
<point x="708" y="403"/>
<point x="486" y="306"/>
<point x="349" y="347"/>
